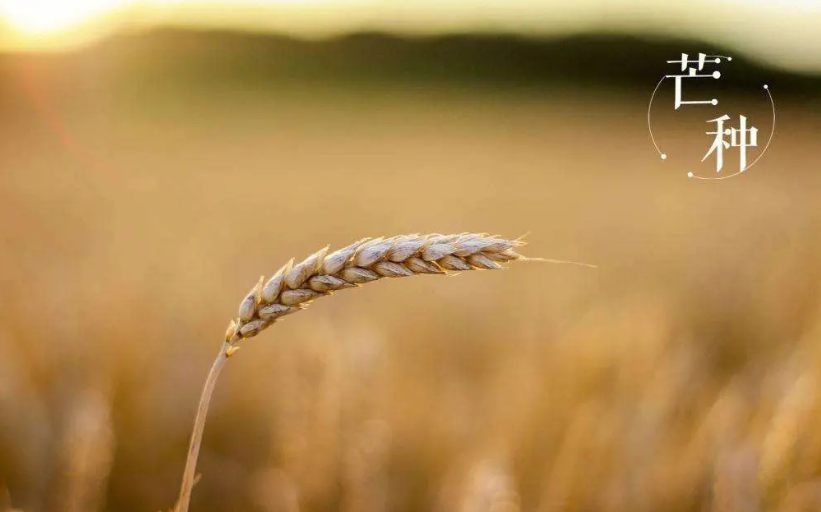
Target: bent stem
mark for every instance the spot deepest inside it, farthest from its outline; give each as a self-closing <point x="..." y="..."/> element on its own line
<point x="199" y="424"/>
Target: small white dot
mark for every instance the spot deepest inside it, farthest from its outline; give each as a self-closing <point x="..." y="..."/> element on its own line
<point x="664" y="156"/>
<point x="716" y="74"/>
<point x="717" y="61"/>
<point x="689" y="174"/>
<point x="714" y="101"/>
<point x="766" y="86"/>
<point x="729" y="58"/>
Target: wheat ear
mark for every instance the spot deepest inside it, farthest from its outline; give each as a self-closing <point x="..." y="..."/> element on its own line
<point x="294" y="286"/>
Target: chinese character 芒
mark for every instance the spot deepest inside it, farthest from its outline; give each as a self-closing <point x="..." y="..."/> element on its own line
<point x="693" y="73"/>
<point x="738" y="139"/>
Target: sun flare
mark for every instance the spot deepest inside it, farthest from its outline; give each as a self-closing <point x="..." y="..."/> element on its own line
<point x="36" y="17"/>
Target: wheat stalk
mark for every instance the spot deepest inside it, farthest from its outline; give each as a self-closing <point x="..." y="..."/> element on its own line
<point x="294" y="286"/>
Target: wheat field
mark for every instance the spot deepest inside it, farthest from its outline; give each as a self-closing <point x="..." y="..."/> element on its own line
<point x="682" y="374"/>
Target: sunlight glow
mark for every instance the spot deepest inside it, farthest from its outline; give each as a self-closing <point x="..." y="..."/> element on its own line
<point x="44" y="16"/>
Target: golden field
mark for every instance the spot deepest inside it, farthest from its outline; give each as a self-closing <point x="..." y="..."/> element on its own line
<point x="684" y="374"/>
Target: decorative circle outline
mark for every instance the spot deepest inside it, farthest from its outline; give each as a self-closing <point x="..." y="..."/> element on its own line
<point x="663" y="156"/>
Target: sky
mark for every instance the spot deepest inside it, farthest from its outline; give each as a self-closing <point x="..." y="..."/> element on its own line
<point x="782" y="33"/>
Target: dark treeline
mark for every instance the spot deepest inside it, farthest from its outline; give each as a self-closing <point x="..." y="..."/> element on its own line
<point x="507" y="61"/>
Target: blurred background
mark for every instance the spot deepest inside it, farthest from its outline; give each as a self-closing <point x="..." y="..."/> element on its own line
<point x="157" y="156"/>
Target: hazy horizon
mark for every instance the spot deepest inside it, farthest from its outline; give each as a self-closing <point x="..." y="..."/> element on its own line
<point x="777" y="34"/>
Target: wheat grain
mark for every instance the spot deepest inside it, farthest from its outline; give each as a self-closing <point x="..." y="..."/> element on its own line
<point x="294" y="286"/>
